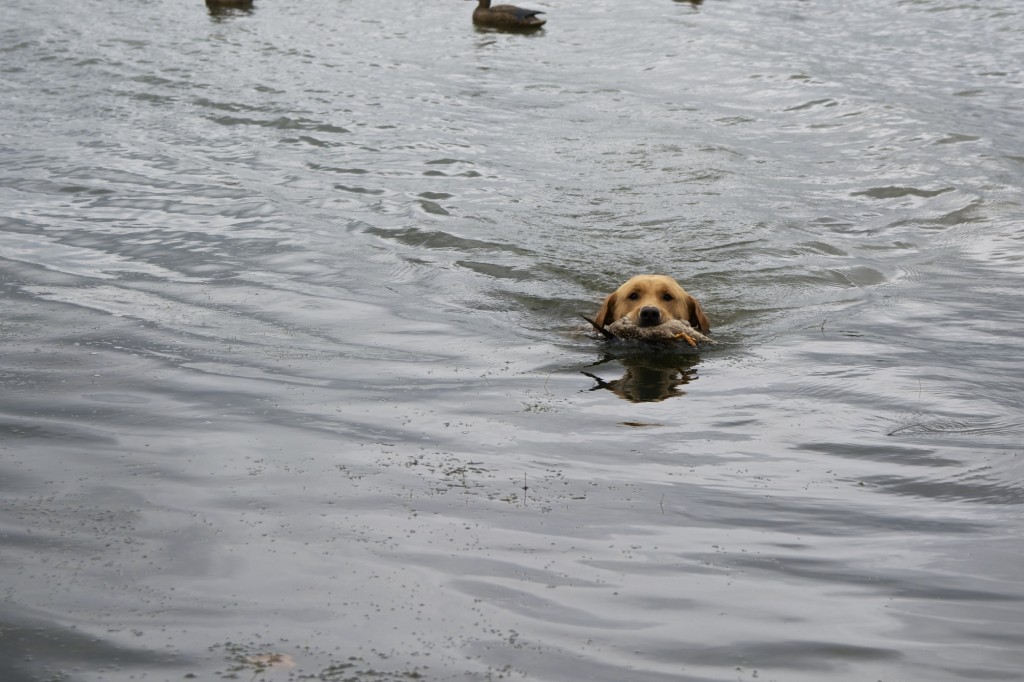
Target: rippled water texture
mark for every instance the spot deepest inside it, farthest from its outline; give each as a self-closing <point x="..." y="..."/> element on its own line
<point x="294" y="384"/>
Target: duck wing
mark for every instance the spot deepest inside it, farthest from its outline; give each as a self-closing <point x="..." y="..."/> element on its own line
<point x="519" y="13"/>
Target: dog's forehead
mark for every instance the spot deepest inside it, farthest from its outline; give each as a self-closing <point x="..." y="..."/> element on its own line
<point x="650" y="283"/>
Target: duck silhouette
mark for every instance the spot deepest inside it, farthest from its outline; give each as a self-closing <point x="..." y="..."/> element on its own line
<point x="506" y="16"/>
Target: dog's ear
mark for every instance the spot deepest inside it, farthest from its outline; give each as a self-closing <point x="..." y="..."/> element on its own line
<point x="604" y="315"/>
<point x="698" y="320"/>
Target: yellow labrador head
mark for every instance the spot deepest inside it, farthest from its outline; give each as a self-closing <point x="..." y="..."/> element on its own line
<point x="650" y="300"/>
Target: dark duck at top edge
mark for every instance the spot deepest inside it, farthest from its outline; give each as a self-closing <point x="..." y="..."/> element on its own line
<point x="506" y="16"/>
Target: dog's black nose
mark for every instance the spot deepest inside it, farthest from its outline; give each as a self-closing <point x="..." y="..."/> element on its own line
<point x="649" y="316"/>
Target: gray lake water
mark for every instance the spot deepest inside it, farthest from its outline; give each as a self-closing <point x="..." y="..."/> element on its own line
<point x="294" y="384"/>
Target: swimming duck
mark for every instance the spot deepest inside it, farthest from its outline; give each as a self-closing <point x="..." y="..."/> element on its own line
<point x="506" y="16"/>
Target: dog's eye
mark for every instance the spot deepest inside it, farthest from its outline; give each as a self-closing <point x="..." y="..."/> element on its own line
<point x="633" y="296"/>
<point x="666" y="297"/>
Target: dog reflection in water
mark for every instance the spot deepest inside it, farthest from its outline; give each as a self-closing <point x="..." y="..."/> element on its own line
<point x="646" y="381"/>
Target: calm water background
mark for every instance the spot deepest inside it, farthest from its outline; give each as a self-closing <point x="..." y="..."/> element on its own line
<point x="291" y="365"/>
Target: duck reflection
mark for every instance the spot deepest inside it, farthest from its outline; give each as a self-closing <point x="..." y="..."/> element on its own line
<point x="649" y="379"/>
